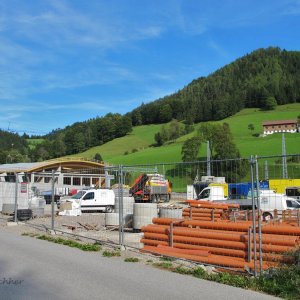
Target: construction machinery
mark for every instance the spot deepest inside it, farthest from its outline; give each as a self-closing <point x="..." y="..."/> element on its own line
<point x="151" y="188"/>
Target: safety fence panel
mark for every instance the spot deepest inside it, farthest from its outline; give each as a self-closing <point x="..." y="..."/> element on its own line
<point x="231" y="213"/>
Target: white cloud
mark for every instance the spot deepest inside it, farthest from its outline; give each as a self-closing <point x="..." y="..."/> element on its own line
<point x="218" y="49"/>
<point x="292" y="8"/>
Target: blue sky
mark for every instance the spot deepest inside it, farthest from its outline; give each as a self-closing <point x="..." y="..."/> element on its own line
<point x="63" y="61"/>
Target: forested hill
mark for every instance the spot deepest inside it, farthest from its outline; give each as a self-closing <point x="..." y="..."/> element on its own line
<point x="245" y="83"/>
<point x="250" y="81"/>
<point x="12" y="147"/>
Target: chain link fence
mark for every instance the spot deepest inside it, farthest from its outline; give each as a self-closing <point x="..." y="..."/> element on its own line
<point x="241" y="214"/>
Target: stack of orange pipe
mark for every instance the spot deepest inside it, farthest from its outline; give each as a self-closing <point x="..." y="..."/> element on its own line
<point x="202" y="214"/>
<point x="283" y="229"/>
<point x="209" y="258"/>
<point x="208" y="204"/>
<point x="225" y="242"/>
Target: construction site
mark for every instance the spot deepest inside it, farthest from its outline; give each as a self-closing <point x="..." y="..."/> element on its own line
<point x="244" y="218"/>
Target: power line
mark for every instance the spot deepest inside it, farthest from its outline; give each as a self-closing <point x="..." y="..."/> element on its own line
<point x="25" y="131"/>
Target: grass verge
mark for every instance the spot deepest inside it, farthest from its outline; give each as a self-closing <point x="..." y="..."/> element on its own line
<point x="283" y="282"/>
<point x="70" y="243"/>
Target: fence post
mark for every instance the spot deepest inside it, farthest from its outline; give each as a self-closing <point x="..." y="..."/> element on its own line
<point x="16" y="198"/>
<point x="120" y="191"/>
<point x="259" y="217"/>
<point x="52" y="201"/>
<point x="253" y="215"/>
<point x="249" y="244"/>
<point x="171" y="235"/>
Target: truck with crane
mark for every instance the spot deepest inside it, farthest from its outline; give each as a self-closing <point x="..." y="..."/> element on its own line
<point x="151" y="188"/>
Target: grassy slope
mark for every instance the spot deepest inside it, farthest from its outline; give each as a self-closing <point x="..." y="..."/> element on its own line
<point x="143" y="136"/>
<point x="140" y="138"/>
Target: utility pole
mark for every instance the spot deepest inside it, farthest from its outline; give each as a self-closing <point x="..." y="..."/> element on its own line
<point x="284" y="164"/>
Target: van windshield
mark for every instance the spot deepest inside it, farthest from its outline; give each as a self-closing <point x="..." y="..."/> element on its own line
<point x="78" y="195"/>
<point x="292" y="204"/>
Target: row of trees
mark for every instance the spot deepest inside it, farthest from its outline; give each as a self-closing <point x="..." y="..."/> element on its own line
<point x="172" y="131"/>
<point x="263" y="79"/>
<point x="222" y="147"/>
<point x="82" y="136"/>
<point x="13" y="148"/>
<point x="71" y="140"/>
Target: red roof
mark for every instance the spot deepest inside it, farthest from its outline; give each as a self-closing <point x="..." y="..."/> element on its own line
<point x="279" y="122"/>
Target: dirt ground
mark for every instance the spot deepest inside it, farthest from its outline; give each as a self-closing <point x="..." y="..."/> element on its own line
<point x="109" y="237"/>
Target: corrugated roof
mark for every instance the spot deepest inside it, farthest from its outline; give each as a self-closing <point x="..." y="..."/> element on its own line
<point x="280" y="122"/>
<point x="70" y="163"/>
<point x="18" y="167"/>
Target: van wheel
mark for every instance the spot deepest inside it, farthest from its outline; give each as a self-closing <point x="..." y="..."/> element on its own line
<point x="109" y="209"/>
<point x="267" y="216"/>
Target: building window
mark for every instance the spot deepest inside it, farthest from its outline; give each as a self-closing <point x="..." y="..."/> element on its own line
<point x="76" y="181"/>
<point x="47" y="179"/>
<point x="67" y="180"/>
<point x="86" y="181"/>
<point x="95" y="180"/>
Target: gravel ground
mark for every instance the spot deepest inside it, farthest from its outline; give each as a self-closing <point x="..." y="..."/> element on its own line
<point x="86" y="227"/>
<point x="111" y="243"/>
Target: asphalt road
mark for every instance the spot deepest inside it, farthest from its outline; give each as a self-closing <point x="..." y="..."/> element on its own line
<point x="35" y="269"/>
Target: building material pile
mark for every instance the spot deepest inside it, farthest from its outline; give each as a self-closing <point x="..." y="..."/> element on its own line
<point x="207" y="211"/>
<point x="222" y="243"/>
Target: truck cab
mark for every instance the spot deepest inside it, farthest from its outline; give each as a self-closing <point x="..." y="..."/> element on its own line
<point x="293" y="192"/>
<point x="213" y="193"/>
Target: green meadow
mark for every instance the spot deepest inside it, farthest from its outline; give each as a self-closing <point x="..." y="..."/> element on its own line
<point x="138" y="146"/>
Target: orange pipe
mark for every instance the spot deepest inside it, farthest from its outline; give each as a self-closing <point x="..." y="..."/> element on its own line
<point x="276" y="229"/>
<point x="202" y="233"/>
<point x="186" y="251"/>
<point x="287" y="240"/>
<point x="209" y="204"/>
<point x="154" y="226"/>
<point x="206" y="214"/>
<point x="217" y="251"/>
<point x="197" y="241"/>
<point x="222" y="251"/>
<point x="266" y="257"/>
<point x="201" y="218"/>
<point x="200" y="210"/>
<point x="212" y="259"/>
<point x="216" y="243"/>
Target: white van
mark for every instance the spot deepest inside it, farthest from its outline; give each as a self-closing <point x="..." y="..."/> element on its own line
<point x="94" y="200"/>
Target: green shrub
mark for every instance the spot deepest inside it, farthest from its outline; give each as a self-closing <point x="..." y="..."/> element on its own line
<point x="111" y="253"/>
<point x="131" y="259"/>
<point x="283" y="282"/>
<point x="164" y="265"/>
<point x="182" y="270"/>
<point x="199" y="272"/>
